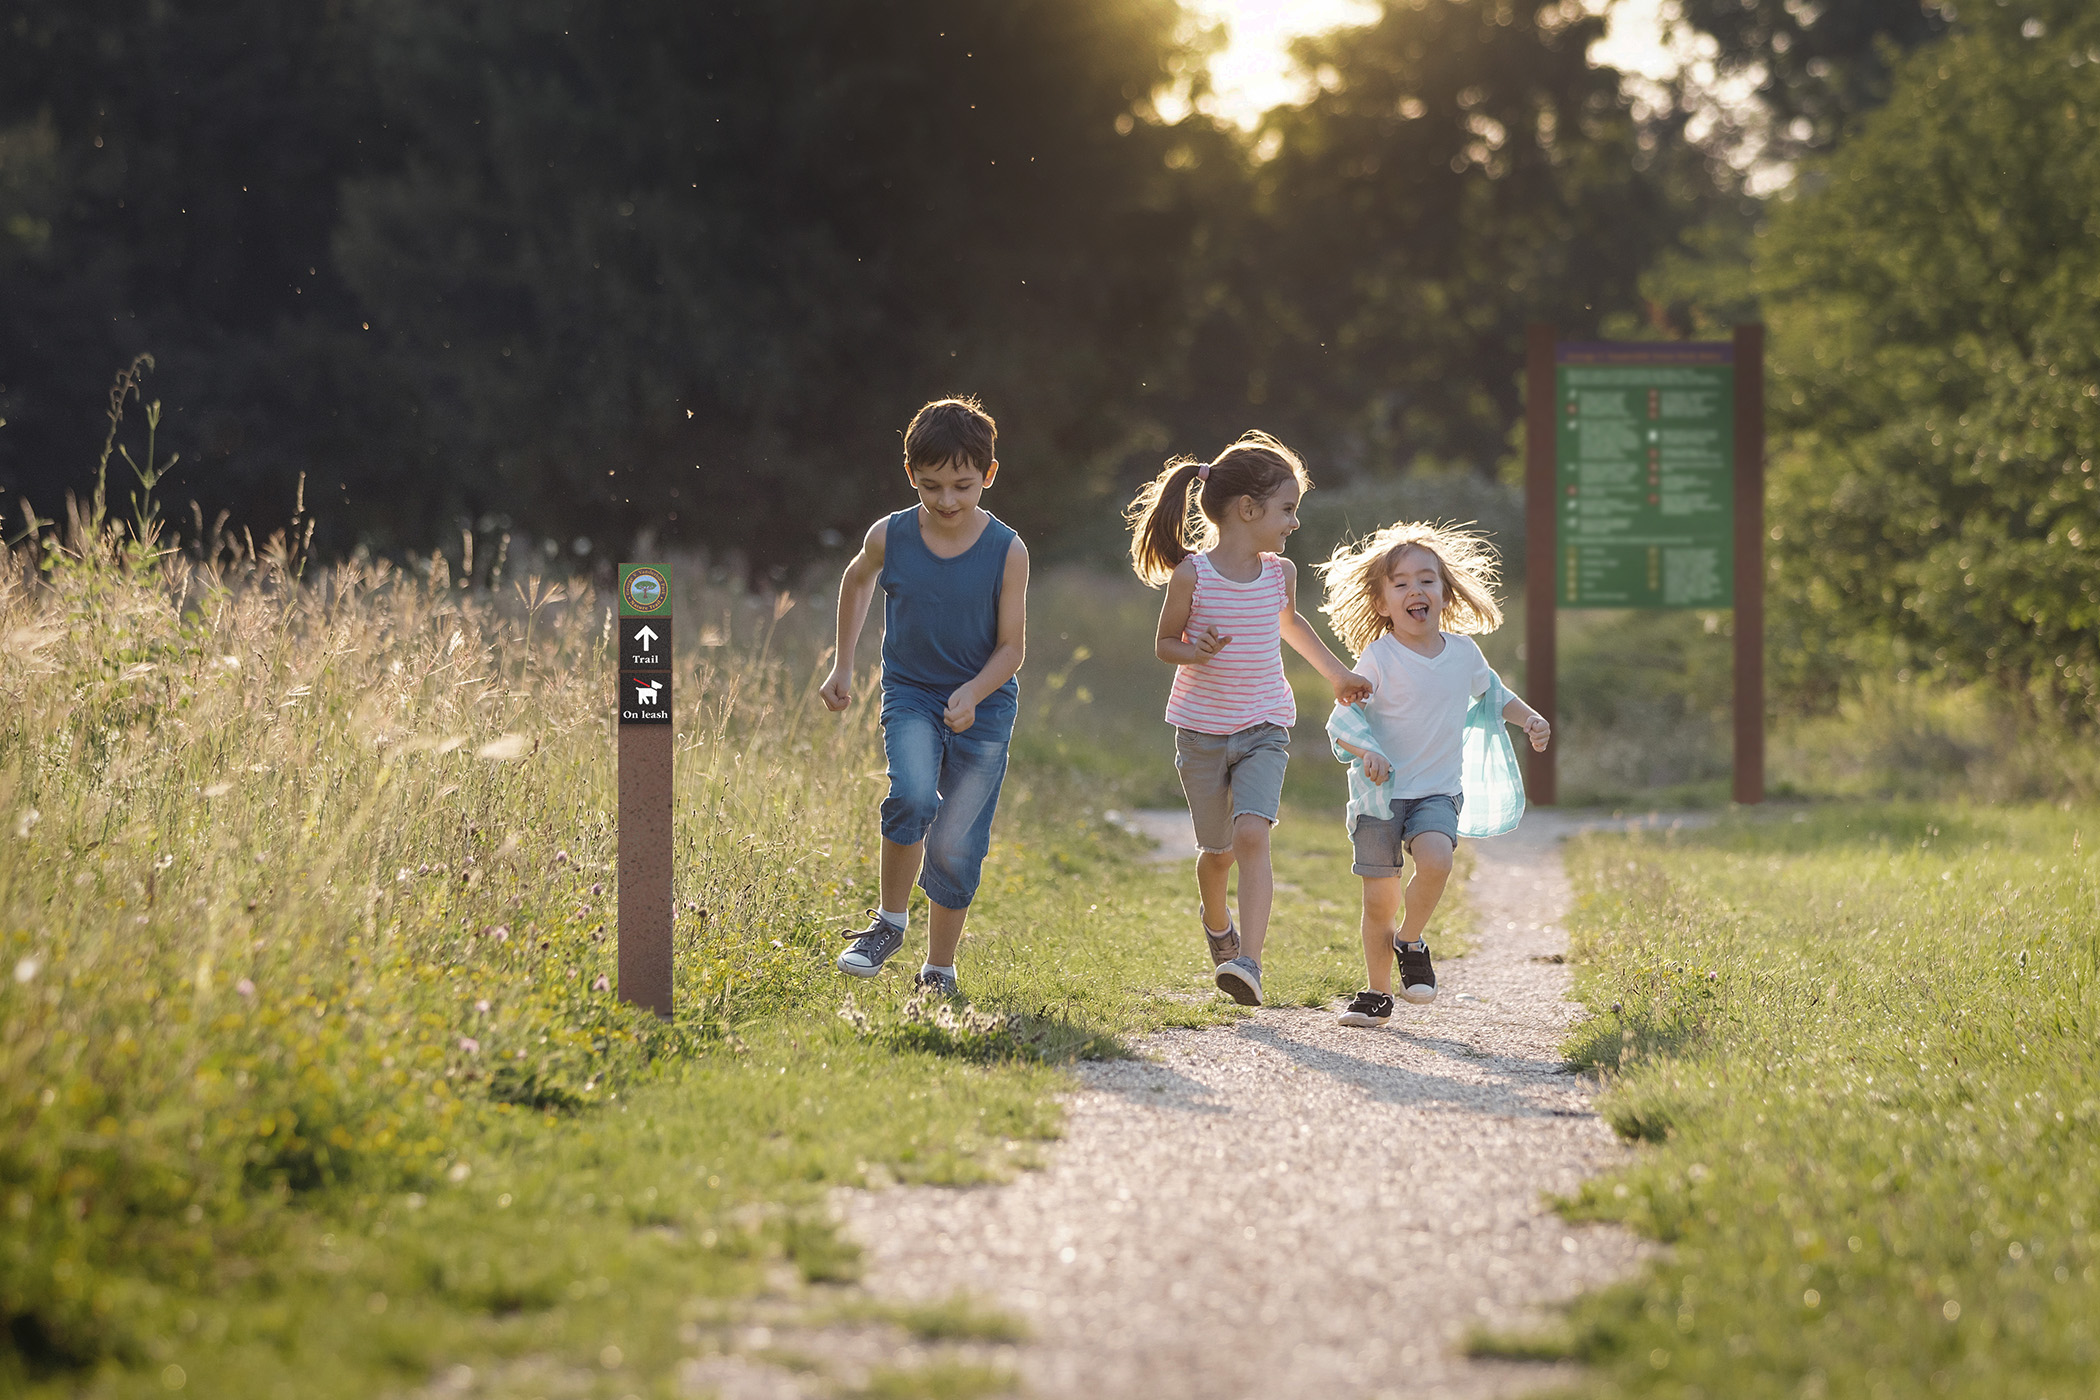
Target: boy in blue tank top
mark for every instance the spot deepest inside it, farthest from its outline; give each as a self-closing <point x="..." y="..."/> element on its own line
<point x="955" y="606"/>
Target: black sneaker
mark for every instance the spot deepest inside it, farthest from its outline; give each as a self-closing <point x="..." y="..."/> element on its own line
<point x="1367" y="1008"/>
<point x="872" y="946"/>
<point x="1417" y="973"/>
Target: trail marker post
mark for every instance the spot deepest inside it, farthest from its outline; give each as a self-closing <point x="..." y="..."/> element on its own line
<point x="1644" y="488"/>
<point x="642" y="699"/>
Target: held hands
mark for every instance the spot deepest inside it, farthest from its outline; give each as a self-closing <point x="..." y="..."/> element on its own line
<point x="1348" y="690"/>
<point x="837" y="690"/>
<point x="961" y="711"/>
<point x="1539" y="732"/>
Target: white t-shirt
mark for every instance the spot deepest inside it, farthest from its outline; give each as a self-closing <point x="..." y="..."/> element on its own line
<point x="1418" y="709"/>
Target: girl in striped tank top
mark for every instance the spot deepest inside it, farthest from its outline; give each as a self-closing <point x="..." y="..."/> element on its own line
<point x="1232" y="601"/>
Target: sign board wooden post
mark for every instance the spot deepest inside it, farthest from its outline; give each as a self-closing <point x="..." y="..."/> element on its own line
<point x="1644" y="488"/>
<point x="1750" y="563"/>
<point x="642" y="685"/>
<point x="1540" y="635"/>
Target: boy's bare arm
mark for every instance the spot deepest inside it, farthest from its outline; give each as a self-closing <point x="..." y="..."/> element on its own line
<point x="1169" y="645"/>
<point x="1011" y="648"/>
<point x="856" y="589"/>
<point x="1532" y="722"/>
<point x="1348" y="686"/>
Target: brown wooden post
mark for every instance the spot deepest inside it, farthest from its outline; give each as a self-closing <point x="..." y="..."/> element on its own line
<point x="1750" y="563"/>
<point x="643" y="703"/>
<point x="1541" y="566"/>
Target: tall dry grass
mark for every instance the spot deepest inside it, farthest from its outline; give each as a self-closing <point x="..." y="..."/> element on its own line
<point x="306" y="875"/>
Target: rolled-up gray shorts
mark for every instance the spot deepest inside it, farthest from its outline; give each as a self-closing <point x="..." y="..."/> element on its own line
<point x="1227" y="775"/>
<point x="1380" y="841"/>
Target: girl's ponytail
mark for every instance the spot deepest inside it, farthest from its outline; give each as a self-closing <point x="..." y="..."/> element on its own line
<point x="1159" y="519"/>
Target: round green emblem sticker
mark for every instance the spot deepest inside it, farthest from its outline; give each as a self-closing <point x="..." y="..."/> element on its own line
<point x="647" y="590"/>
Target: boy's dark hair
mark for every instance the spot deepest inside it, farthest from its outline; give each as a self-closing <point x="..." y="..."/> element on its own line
<point x="951" y="430"/>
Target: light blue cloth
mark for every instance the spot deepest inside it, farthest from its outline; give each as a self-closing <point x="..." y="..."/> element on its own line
<point x="1492" y="783"/>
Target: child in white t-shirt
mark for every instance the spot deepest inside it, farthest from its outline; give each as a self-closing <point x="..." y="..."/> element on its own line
<point x="1403" y="600"/>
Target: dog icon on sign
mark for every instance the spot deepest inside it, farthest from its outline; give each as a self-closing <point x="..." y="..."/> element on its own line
<point x="645" y="694"/>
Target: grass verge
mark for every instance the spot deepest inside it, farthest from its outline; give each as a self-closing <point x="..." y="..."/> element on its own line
<point x="313" y="1080"/>
<point x="1861" y="1045"/>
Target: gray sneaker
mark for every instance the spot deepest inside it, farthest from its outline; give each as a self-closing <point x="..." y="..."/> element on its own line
<point x="1240" y="979"/>
<point x="941" y="984"/>
<point x="872" y="947"/>
<point x="1224" y="947"/>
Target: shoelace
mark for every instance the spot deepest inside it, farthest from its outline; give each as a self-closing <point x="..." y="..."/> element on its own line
<point x="859" y="934"/>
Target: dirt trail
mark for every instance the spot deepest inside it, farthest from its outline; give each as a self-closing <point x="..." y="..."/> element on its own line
<point x="1284" y="1207"/>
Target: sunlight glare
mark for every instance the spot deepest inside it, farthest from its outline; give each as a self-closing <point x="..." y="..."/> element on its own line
<point x="1253" y="72"/>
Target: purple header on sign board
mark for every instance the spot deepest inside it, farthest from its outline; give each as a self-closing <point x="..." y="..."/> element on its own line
<point x="1637" y="353"/>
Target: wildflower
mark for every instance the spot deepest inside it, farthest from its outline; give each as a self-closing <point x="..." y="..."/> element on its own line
<point x="245" y="987"/>
<point x="469" y="1044"/>
<point x="853" y="1016"/>
<point x="26" y="823"/>
<point x="423" y="869"/>
<point x="602" y="984"/>
<point x="482" y="1006"/>
<point x="597" y="889"/>
<point x="27" y="969"/>
<point x="561" y="857"/>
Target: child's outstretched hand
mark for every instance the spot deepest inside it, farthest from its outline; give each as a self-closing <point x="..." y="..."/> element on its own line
<point x="1350" y="689"/>
<point x="1539" y="732"/>
<point x="1376" y="768"/>
<point x="837" y="691"/>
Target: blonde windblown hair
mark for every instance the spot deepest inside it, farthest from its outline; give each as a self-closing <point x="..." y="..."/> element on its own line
<point x="1463" y="557"/>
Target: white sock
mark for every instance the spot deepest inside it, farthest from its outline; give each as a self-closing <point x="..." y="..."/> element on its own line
<point x="925" y="968"/>
<point x="900" y="918"/>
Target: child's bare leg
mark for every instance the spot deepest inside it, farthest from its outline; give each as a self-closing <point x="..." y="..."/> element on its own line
<point x="1381" y="906"/>
<point x="1250" y="847"/>
<point x="944" y="931"/>
<point x="1432" y="853"/>
<point x="1213" y="868"/>
<point x="900" y="866"/>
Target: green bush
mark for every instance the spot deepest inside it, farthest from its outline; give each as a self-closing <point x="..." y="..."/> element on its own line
<point x="1936" y="376"/>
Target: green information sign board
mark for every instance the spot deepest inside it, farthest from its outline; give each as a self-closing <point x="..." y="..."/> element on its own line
<point x="1644" y="466"/>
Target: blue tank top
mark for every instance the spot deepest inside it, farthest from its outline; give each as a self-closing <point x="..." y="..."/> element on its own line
<point x="940" y="619"/>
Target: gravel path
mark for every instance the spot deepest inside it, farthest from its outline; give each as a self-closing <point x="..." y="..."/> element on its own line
<point x="1284" y="1207"/>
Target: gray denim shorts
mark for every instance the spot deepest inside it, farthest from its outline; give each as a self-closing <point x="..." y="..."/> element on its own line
<point x="1380" y="841"/>
<point x="1226" y="775"/>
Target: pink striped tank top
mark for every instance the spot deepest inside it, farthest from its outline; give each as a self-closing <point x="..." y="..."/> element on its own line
<point x="1242" y="685"/>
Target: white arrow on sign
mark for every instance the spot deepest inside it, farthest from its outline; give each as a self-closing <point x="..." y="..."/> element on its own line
<point x="646" y="636"/>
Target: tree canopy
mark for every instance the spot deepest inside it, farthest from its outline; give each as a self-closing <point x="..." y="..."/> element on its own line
<point x="592" y="268"/>
<point x="1936" y="371"/>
